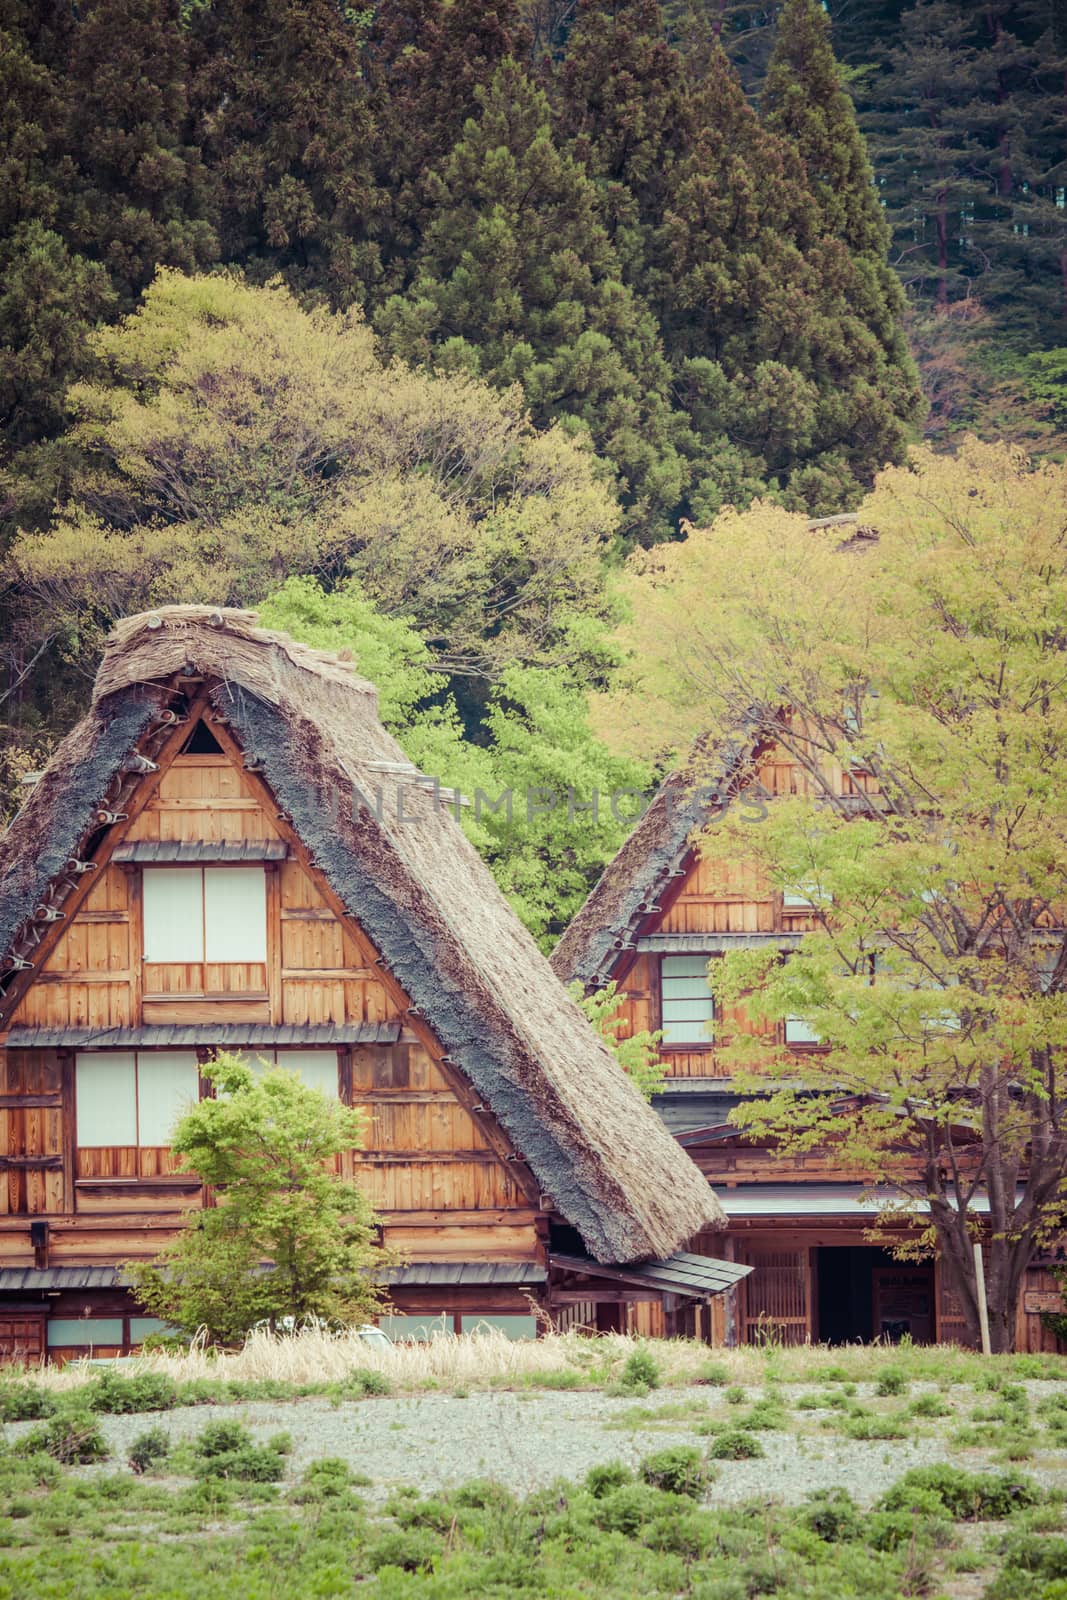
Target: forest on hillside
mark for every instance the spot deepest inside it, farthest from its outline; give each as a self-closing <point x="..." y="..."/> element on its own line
<point x="410" y="325"/>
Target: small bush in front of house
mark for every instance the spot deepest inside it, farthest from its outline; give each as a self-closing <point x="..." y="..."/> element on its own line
<point x="601" y="1480"/>
<point x="148" y="1450"/>
<point x="735" y="1445"/>
<point x="364" y="1381"/>
<point x="226" y="1449"/>
<point x="73" y="1439"/>
<point x="641" y="1371"/>
<point x="891" y="1381"/>
<point x="112" y="1392"/>
<point x="24" y="1402"/>
<point x="679" y="1470"/>
<point x="966" y="1496"/>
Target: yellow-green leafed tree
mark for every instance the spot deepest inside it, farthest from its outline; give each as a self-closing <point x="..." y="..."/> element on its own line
<point x="926" y="649"/>
<point x="235" y="439"/>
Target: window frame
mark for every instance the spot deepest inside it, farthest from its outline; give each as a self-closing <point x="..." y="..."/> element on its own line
<point x="205" y="958"/>
<point x="708" y="1040"/>
<point x="137" y="1055"/>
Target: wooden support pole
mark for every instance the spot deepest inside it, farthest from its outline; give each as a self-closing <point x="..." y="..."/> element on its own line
<point x="983" y="1309"/>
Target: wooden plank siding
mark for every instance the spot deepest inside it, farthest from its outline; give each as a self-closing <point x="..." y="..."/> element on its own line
<point x="720" y="894"/>
<point x="437" y="1173"/>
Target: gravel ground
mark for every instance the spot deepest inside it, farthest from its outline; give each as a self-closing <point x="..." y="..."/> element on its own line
<point x="527" y="1439"/>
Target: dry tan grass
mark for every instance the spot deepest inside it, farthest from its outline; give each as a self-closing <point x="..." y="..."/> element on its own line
<point x="319" y="1354"/>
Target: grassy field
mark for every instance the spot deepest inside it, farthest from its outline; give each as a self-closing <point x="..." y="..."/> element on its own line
<point x="219" y="1513"/>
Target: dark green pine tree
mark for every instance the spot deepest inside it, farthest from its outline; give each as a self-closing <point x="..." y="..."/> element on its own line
<point x="49" y="297"/>
<point x="426" y="61"/>
<point x="805" y="102"/>
<point x="138" y="199"/>
<point x="282" y="116"/>
<point x="623" y="111"/>
<point x="516" y="279"/>
<point x="787" y="384"/>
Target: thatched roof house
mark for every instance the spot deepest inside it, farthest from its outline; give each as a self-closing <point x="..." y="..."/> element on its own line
<point x="390" y="851"/>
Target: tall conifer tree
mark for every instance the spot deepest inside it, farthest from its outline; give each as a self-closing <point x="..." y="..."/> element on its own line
<point x="138" y="201"/>
<point x="426" y="60"/>
<point x="516" y="279"/>
<point x="285" y="127"/>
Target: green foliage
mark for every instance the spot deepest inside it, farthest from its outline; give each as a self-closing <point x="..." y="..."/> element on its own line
<point x="916" y="661"/>
<point x="516" y="279"/>
<point x="679" y="1470"/>
<point x="72" y="1438"/>
<point x="891" y="1381"/>
<point x="145" y="1391"/>
<point x="25" y="1402"/>
<point x="266" y="1143"/>
<point x="640" y="1370"/>
<point x="226" y="1449"/>
<point x="735" y="1444"/>
<point x="542" y="786"/>
<point x="149" y="1449"/>
<point x="963" y="1495"/>
<point x="637" y="1053"/>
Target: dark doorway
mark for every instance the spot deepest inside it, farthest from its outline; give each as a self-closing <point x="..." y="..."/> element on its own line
<point x="863" y="1294"/>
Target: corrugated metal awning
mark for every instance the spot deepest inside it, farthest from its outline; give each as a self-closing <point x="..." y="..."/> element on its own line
<point x="18" y="1280"/>
<point x="165" y="1035"/>
<point x="716" y="943"/>
<point x="480" y="1273"/>
<point x="683" y="1273"/>
<point x="182" y="852"/>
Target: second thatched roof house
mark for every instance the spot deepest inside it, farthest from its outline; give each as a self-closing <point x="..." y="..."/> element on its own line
<point x="230" y="851"/>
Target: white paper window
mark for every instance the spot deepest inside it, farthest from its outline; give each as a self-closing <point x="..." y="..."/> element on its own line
<point x="127" y="1097"/>
<point x="235" y="913"/>
<point x="173" y="900"/>
<point x="687" y="1007"/>
<point x="805" y="897"/>
<point x="168" y="1083"/>
<point x="216" y="914"/>
<point x="797" y="1031"/>
<point x="317" y="1068"/>
<point x="106" y="1098"/>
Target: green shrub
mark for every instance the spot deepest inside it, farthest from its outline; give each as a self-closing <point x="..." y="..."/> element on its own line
<point x="629" y="1508"/>
<point x="222" y="1438"/>
<point x="225" y="1449"/>
<point x="735" y="1445"/>
<point x="364" y="1381"/>
<point x="601" y="1480"/>
<point x="832" y="1515"/>
<point x="329" y="1476"/>
<point x="147" y="1391"/>
<point x="640" y="1370"/>
<point x="963" y="1495"/>
<point x="768" y="1413"/>
<point x="891" y="1381"/>
<point x="410" y="1549"/>
<point x="73" y="1439"/>
<point x="149" y="1449"/>
<point x="864" y="1426"/>
<point x="928" y="1405"/>
<point x="25" y="1402"/>
<point x="566" y="1379"/>
<point x="714" y="1373"/>
<point x="734" y="1395"/>
<point x="679" y="1470"/>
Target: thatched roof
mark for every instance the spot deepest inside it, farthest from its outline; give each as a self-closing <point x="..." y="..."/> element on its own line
<point x="416" y="886"/>
<point x="629" y="888"/>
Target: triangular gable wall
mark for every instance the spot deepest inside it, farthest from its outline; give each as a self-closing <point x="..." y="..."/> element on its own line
<point x="425" y="1147"/>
